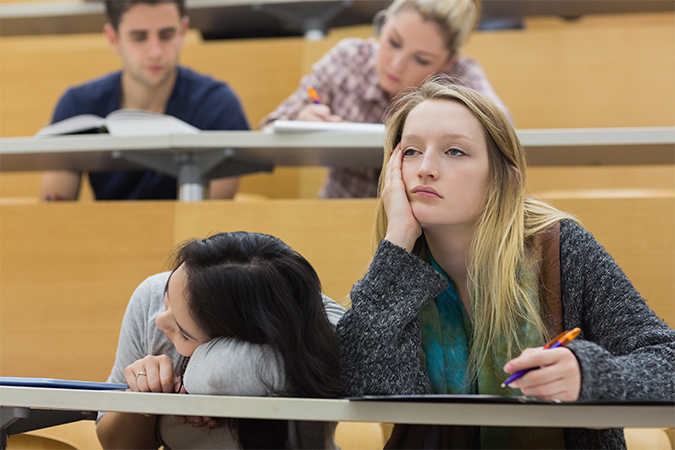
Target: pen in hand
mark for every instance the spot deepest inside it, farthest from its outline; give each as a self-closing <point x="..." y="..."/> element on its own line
<point x="560" y="340"/>
<point x="313" y="95"/>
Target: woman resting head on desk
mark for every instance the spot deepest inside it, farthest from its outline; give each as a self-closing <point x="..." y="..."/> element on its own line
<point x="240" y="314"/>
<point x="470" y="278"/>
<point x="356" y="79"/>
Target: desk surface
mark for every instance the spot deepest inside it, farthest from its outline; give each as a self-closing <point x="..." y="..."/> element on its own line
<point x="516" y="414"/>
<point x="555" y="147"/>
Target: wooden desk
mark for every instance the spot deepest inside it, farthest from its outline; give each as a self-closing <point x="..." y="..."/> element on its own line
<point x="196" y="158"/>
<point x="19" y="401"/>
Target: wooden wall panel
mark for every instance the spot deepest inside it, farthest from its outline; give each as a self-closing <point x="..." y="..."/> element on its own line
<point x="639" y="233"/>
<point x="66" y="274"/>
<point x="333" y="235"/>
<point x="603" y="71"/>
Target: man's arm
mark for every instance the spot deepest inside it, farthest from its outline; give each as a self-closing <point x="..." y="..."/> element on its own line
<point x="64" y="184"/>
<point x="60" y="185"/>
<point x="223" y="188"/>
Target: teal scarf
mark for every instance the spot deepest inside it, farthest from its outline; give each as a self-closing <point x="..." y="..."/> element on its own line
<point x="446" y="343"/>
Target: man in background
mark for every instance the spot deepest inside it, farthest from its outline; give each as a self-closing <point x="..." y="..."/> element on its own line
<point x="148" y="36"/>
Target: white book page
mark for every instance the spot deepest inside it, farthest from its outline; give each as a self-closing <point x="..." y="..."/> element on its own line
<point x="71" y="125"/>
<point x="301" y="126"/>
<point x="133" y="122"/>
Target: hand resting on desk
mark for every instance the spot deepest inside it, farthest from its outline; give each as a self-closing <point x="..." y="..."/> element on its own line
<point x="558" y="376"/>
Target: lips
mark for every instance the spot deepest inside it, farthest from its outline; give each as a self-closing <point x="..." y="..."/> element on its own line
<point x="155" y="68"/>
<point x="393" y="78"/>
<point x="426" y="192"/>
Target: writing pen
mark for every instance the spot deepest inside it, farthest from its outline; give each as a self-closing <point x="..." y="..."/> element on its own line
<point x="560" y="340"/>
<point x="313" y="95"/>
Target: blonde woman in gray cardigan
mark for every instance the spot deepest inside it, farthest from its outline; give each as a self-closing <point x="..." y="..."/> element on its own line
<point x="470" y="278"/>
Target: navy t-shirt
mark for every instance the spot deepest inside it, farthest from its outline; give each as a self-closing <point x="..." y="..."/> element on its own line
<point x="199" y="100"/>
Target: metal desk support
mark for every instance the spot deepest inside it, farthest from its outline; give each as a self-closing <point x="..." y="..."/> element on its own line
<point x="194" y="170"/>
<point x="12" y="420"/>
<point x="312" y="19"/>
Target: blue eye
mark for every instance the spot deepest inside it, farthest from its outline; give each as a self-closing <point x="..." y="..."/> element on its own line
<point x="410" y="152"/>
<point x="456" y="152"/>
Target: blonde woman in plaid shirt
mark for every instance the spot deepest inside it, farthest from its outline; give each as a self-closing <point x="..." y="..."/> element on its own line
<point x="358" y="78"/>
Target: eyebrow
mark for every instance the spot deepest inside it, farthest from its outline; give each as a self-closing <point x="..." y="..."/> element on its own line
<point x="448" y="135"/>
<point x="418" y="52"/>
<point x="143" y="31"/>
<point x="166" y="292"/>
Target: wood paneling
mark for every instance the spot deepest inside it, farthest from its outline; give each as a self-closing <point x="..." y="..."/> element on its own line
<point x="639" y="232"/>
<point x="66" y="274"/>
<point x="333" y="235"/>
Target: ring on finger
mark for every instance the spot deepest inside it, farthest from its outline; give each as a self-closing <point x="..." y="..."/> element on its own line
<point x="138" y="374"/>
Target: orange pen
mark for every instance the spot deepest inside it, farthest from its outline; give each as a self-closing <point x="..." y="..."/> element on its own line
<point x="560" y="340"/>
<point x="313" y="95"/>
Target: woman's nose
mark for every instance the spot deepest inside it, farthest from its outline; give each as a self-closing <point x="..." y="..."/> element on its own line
<point x="161" y="321"/>
<point x="398" y="63"/>
<point x="429" y="166"/>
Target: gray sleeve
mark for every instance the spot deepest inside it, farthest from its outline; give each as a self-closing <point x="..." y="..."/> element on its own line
<point x="138" y="325"/>
<point x="380" y="335"/>
<point x="334" y="311"/>
<point x="229" y="366"/>
<point x="625" y="351"/>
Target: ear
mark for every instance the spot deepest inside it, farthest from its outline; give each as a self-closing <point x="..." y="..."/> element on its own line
<point x="184" y="25"/>
<point x="182" y="30"/>
<point x="111" y="36"/>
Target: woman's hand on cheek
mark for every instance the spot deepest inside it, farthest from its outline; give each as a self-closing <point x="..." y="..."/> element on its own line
<point x="151" y="374"/>
<point x="558" y="376"/>
<point x="402" y="227"/>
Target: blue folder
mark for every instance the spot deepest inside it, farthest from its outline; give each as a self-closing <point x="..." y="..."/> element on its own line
<point x="61" y="384"/>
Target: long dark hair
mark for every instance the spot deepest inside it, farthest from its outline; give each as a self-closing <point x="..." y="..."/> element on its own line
<point x="254" y="287"/>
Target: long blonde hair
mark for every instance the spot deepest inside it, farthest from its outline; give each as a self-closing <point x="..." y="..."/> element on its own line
<point x="499" y="258"/>
<point x="456" y="19"/>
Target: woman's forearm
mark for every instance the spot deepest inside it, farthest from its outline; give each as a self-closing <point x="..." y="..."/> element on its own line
<point x="118" y="430"/>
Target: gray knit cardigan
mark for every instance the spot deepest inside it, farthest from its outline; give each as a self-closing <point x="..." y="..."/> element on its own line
<point x="625" y="351"/>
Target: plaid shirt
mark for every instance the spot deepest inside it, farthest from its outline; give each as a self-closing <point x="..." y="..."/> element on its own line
<point x="346" y="80"/>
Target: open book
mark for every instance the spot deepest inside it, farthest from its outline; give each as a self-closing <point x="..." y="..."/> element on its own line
<point x="300" y="126"/>
<point x="123" y="122"/>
